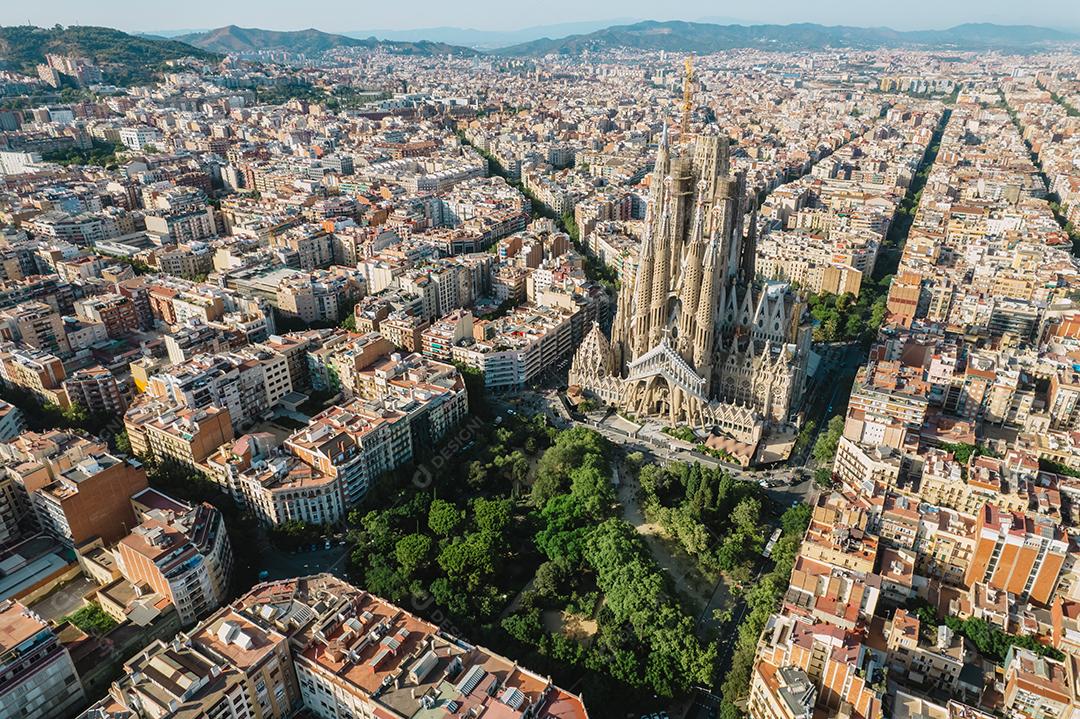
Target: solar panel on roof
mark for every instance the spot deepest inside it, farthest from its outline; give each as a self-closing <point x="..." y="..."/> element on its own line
<point x="423" y="666"/>
<point x="377" y="659"/>
<point x="512" y="697"/>
<point x="470" y="680"/>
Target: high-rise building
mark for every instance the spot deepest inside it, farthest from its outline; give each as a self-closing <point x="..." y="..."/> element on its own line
<point x="696" y="341"/>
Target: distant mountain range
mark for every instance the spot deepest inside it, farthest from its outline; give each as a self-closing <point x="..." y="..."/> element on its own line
<point x="488" y="39"/>
<point x="125" y="58"/>
<point x="233" y="39"/>
<point x="678" y="36"/>
<point x="674" y="36"/>
<point x="133" y="58"/>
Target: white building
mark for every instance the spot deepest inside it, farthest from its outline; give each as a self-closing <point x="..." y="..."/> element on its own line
<point x="139" y="137"/>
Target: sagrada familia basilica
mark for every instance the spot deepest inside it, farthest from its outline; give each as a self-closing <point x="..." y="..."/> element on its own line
<point x="696" y="341"/>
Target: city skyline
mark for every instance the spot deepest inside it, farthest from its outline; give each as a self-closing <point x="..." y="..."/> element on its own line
<point x="424" y="14"/>
<point x="700" y="371"/>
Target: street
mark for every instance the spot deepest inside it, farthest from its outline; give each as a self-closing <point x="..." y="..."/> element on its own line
<point x="282" y="565"/>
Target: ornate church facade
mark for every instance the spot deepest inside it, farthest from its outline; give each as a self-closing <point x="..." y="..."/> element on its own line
<point x="696" y="341"/>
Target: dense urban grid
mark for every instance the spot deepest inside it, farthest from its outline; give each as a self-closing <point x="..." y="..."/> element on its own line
<point x="373" y="381"/>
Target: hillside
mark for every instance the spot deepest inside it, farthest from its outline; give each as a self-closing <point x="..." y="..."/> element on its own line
<point x="125" y="59"/>
<point x="233" y="39"/>
<point x="677" y="36"/>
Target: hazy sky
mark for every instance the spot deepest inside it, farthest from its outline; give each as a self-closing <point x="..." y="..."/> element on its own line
<point x="343" y="15"/>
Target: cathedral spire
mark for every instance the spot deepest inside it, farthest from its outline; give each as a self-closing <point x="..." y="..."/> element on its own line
<point x="691" y="294"/>
<point x="663" y="158"/>
<point x="705" y="321"/>
<point x="690" y="288"/>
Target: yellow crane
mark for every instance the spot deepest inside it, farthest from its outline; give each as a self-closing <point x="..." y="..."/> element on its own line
<point x="687" y="95"/>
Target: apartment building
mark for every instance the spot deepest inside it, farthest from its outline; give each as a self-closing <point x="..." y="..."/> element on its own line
<point x="174" y="680"/>
<point x="84" y="228"/>
<point x="30" y="462"/>
<point x="37" y="677"/>
<point x="34" y="371"/>
<point x="12" y="422"/>
<point x="400" y="404"/>
<point x="1018" y="553"/>
<point x="140" y="137"/>
<point x="115" y="311"/>
<point x="248" y="383"/>
<point x="96" y="389"/>
<point x="404" y="331"/>
<point x="259" y="653"/>
<point x="283" y="488"/>
<point x="90" y="499"/>
<point x="137" y="289"/>
<point x="355" y="444"/>
<point x="838" y="536"/>
<point x="188" y="260"/>
<point x="438" y="340"/>
<point x="780" y="693"/>
<point x="174" y="301"/>
<point x="319" y="360"/>
<point x="14" y="509"/>
<point x="318" y="295"/>
<point x="347" y="359"/>
<point x="1037" y="687"/>
<point x="179" y="551"/>
<point x="935" y="663"/>
<point x="36" y="324"/>
<point x="293" y="347"/>
<point x="83" y="269"/>
<point x="175" y="306"/>
<point x="165" y="431"/>
<point x="513" y="350"/>
<point x="344" y="671"/>
<point x="313" y="245"/>
<point x="858" y="465"/>
<point x="945" y="545"/>
<point x="319" y="645"/>
<point x="847" y="673"/>
<point x="193" y="338"/>
<point x="888" y="405"/>
<point x="947" y="483"/>
<point x="45" y="288"/>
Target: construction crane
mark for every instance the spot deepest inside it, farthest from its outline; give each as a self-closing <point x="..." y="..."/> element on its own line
<point x="687" y="96"/>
